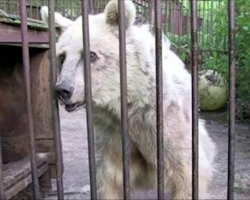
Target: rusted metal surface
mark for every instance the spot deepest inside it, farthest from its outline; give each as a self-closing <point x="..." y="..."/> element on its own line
<point x="26" y="63"/>
<point x="54" y="103"/>
<point x="155" y="16"/>
<point x="151" y="12"/>
<point x="88" y="97"/>
<point x="232" y="89"/>
<point x="159" y="99"/>
<point x="124" y="109"/>
<point x="195" y="114"/>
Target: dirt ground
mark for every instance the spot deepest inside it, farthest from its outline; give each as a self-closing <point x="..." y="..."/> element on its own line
<point x="75" y="153"/>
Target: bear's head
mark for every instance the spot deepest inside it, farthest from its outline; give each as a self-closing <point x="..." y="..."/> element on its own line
<point x="104" y="59"/>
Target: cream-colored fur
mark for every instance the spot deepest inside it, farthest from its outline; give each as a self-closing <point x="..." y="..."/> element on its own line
<point x="140" y="45"/>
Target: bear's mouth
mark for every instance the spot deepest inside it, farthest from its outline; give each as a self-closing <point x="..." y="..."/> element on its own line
<point x="72" y="107"/>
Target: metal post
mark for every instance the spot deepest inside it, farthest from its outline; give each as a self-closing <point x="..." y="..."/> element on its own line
<point x="124" y="114"/>
<point x="55" y="111"/>
<point x="195" y="117"/>
<point x="26" y="64"/>
<point x="88" y="95"/>
<point x="159" y="99"/>
<point x="231" y="128"/>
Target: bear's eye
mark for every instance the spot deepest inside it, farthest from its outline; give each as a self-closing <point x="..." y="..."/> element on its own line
<point x="62" y="58"/>
<point x="93" y="56"/>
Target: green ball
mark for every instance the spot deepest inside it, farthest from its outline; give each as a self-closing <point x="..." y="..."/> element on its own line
<point x="213" y="90"/>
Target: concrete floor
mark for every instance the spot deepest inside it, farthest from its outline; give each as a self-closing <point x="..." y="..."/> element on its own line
<point x="75" y="152"/>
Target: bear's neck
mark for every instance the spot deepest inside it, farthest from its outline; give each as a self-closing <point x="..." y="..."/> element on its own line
<point x="110" y="115"/>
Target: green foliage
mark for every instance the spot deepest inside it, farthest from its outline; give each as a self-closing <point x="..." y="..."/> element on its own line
<point x="181" y="43"/>
<point x="204" y="7"/>
<point x="214" y="44"/>
<point x="220" y="62"/>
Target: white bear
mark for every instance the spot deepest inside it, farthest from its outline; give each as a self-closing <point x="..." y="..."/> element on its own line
<point x="141" y="92"/>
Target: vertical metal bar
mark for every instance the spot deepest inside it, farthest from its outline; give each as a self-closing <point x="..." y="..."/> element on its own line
<point x="211" y="25"/>
<point x="166" y="16"/>
<point x="30" y="11"/>
<point x="91" y="7"/>
<point x="170" y="25"/>
<point x="63" y="7"/>
<point x="26" y="64"/>
<point x="231" y="130"/>
<point x="37" y="9"/>
<point x="151" y="12"/>
<point x="88" y="95"/>
<point x="194" y="53"/>
<point x="124" y="114"/>
<point x="159" y="100"/>
<point x="205" y="9"/>
<point x="2" y="192"/>
<point x="179" y="27"/>
<point x="56" y="4"/>
<point x="72" y="10"/>
<point x="8" y="5"/>
<point x="55" y="111"/>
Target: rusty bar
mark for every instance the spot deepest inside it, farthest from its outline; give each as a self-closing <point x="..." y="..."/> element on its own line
<point x="72" y="7"/>
<point x="91" y="7"/>
<point x="231" y="129"/>
<point x="124" y="112"/>
<point x="159" y="99"/>
<point x="88" y="97"/>
<point x="37" y="9"/>
<point x="54" y="103"/>
<point x="63" y="7"/>
<point x="151" y="5"/>
<point x="194" y="53"/>
<point x="2" y="192"/>
<point x="26" y="64"/>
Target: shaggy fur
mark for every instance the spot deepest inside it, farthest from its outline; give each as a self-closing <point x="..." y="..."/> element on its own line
<point x="140" y="45"/>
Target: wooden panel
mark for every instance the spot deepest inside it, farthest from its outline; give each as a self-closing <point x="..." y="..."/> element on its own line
<point x="41" y="94"/>
<point x="49" y="147"/>
<point x="12" y="34"/>
<point x="17" y="175"/>
<point x="53" y="173"/>
<point x="13" y="117"/>
<point x="32" y="45"/>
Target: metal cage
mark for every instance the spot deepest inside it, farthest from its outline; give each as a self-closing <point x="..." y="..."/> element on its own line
<point x="162" y="23"/>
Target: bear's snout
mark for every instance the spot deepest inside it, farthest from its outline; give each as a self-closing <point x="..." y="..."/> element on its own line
<point x="64" y="91"/>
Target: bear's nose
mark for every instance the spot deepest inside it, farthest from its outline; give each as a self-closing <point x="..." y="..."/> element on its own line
<point x="64" y="91"/>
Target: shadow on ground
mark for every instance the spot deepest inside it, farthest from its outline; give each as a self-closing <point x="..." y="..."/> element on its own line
<point x="75" y="152"/>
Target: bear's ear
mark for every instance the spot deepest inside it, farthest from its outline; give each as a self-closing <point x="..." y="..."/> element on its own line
<point x="60" y="21"/>
<point x="112" y="15"/>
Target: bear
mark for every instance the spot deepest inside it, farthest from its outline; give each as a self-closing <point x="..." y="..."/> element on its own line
<point x="141" y="102"/>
